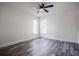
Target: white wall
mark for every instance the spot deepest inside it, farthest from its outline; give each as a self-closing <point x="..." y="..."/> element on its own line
<point x="62" y="27"/>
<point x="15" y="25"/>
<point x="78" y="23"/>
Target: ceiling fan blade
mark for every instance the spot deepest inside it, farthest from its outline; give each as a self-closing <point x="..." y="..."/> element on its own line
<point x="49" y="6"/>
<point x="42" y="5"/>
<point x="45" y="10"/>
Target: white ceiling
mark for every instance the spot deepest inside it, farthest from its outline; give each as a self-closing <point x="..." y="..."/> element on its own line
<point x="59" y="7"/>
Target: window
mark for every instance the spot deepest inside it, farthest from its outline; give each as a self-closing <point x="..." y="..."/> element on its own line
<point x="43" y="26"/>
<point x="35" y="27"/>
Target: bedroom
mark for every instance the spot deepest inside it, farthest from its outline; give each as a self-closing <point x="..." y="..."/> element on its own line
<point x="26" y="29"/>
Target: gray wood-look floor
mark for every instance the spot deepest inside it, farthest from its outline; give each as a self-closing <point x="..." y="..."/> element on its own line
<point x="41" y="47"/>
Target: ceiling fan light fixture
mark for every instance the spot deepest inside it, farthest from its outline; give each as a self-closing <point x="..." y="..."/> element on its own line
<point x="41" y="10"/>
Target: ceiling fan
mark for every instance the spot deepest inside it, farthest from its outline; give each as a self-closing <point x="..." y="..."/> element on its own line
<point x="42" y="7"/>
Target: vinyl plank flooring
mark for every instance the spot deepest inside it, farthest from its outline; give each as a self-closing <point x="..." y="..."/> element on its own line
<point x="41" y="47"/>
